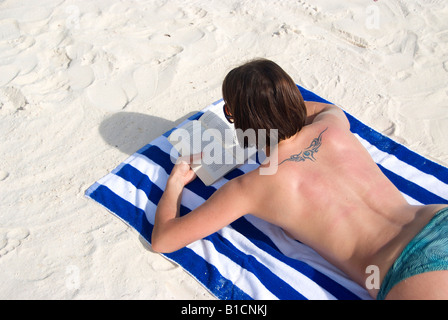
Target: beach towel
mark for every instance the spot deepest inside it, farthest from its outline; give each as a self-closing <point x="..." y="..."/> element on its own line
<point x="252" y="259"/>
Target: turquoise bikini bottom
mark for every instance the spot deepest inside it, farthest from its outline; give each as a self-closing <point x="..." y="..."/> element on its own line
<point x="428" y="251"/>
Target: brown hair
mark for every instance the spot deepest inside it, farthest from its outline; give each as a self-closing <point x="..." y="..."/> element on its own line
<point x="261" y="95"/>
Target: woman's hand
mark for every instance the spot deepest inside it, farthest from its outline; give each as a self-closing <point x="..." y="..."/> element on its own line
<point x="182" y="174"/>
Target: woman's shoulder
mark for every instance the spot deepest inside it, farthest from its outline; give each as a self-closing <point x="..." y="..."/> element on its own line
<point x="332" y="115"/>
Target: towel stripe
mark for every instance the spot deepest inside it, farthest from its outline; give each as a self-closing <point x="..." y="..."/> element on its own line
<point x="222" y="282"/>
<point x="389" y="146"/>
<point x="279" y="288"/>
<point x="411" y="189"/>
<point x="405" y="170"/>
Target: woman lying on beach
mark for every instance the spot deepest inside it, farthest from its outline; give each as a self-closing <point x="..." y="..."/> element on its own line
<point x="327" y="193"/>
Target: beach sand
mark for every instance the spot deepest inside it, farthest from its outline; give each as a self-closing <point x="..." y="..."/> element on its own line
<point x="84" y="84"/>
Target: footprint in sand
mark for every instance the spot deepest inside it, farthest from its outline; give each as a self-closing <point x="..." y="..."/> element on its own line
<point x="349" y="36"/>
<point x="11" y="239"/>
<point x="445" y="66"/>
<point x="107" y="96"/>
<point x="80" y="77"/>
<point x="428" y="3"/>
<point x="3" y="175"/>
<point x="11" y="100"/>
<point x="309" y="9"/>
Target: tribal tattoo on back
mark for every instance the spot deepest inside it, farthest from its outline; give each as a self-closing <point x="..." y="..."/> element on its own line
<point x="309" y="152"/>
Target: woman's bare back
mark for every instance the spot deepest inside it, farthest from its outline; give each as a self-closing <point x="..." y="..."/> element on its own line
<point x="330" y="195"/>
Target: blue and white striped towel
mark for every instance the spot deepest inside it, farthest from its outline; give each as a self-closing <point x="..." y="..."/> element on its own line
<point x="251" y="259"/>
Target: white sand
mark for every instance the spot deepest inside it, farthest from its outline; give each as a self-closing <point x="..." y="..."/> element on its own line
<point x="84" y="84"/>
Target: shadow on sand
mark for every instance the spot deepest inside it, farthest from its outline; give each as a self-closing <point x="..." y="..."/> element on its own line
<point x="130" y="131"/>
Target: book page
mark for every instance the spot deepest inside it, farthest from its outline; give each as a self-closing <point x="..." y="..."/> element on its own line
<point x="215" y="138"/>
<point x="211" y="174"/>
<point x="214" y="119"/>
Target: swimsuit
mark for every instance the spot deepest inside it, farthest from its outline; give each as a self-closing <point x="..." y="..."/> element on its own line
<point x="428" y="251"/>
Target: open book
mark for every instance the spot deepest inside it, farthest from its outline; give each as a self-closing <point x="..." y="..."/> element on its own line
<point x="214" y="137"/>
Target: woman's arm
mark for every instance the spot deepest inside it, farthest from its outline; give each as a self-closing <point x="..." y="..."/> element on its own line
<point x="172" y="232"/>
<point x="169" y="204"/>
